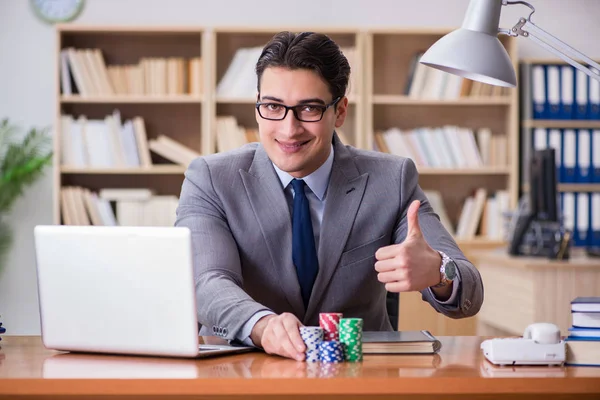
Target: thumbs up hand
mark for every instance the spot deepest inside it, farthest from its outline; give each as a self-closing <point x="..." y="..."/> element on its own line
<point x="411" y="265"/>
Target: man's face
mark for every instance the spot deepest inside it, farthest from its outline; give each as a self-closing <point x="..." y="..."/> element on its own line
<point x="296" y="147"/>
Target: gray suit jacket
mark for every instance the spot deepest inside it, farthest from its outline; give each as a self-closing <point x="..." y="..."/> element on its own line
<point x="242" y="239"/>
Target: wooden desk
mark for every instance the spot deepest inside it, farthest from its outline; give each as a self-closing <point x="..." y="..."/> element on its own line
<point x="523" y="290"/>
<point x="29" y="371"/>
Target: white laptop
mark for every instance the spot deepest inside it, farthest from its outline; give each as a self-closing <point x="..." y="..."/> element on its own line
<point x="119" y="290"/>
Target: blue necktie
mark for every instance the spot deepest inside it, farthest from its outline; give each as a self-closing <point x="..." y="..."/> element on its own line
<point x="304" y="253"/>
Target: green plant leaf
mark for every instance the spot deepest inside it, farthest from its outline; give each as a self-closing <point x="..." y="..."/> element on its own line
<point x="5" y="242"/>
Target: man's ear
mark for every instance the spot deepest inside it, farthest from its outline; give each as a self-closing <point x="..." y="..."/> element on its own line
<point x="341" y="111"/>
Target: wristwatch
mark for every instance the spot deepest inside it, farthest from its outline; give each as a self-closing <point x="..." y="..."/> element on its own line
<point x="447" y="271"/>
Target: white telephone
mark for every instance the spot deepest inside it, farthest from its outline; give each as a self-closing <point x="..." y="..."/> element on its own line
<point x="540" y="345"/>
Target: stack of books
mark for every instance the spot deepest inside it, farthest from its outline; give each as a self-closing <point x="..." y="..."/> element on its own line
<point x="583" y="342"/>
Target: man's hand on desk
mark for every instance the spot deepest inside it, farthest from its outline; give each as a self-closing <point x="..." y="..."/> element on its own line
<point x="279" y="334"/>
<point x="411" y="265"/>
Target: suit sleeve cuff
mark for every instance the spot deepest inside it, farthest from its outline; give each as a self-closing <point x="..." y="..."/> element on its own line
<point x="244" y="334"/>
<point x="452" y="301"/>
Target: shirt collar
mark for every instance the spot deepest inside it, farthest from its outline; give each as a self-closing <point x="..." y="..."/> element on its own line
<point x="317" y="181"/>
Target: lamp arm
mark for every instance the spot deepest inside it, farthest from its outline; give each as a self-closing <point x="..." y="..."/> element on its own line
<point x="526" y="28"/>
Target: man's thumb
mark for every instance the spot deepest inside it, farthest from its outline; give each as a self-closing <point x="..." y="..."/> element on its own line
<point x="414" y="229"/>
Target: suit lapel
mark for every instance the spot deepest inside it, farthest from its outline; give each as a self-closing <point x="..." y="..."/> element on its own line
<point x="268" y="202"/>
<point x="344" y="194"/>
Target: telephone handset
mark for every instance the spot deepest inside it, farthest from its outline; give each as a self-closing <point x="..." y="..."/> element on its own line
<point x="541" y="344"/>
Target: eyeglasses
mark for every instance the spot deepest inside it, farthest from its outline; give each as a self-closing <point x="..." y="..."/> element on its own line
<point x="302" y="112"/>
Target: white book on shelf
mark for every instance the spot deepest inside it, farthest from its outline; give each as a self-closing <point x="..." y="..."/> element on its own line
<point x="477" y="212"/>
<point x="465" y="216"/>
<point x="98" y="144"/>
<point x="78" y="201"/>
<point x="102" y="69"/>
<point x="65" y="207"/>
<point x="437" y="203"/>
<point x="106" y="212"/>
<point x="441" y="136"/>
<point x="452" y="88"/>
<point x="452" y="135"/>
<point x="141" y="139"/>
<point x="66" y="143"/>
<point x="116" y="143"/>
<point x="133" y="194"/>
<point x="469" y="147"/>
<point x="79" y="73"/>
<point x="432" y="160"/>
<point x="419" y="80"/>
<point x="91" y="207"/>
<point x="130" y="213"/>
<point x="484" y="142"/>
<point x="185" y="151"/>
<point x="420" y="158"/>
<point x="435" y="84"/>
<point x="87" y="59"/>
<point x="503" y="201"/>
<point x="65" y="73"/>
<point x="79" y="146"/>
<point x="227" y="83"/>
<point x="436" y="136"/>
<point x="168" y="152"/>
<point x="490" y="218"/>
<point x="132" y="155"/>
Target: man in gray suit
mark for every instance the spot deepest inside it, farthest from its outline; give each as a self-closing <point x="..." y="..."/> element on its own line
<point x="301" y="224"/>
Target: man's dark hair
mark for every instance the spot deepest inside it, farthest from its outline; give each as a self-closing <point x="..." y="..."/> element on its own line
<point x="307" y="50"/>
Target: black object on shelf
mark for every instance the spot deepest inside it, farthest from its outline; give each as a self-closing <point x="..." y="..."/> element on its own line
<point x="538" y="231"/>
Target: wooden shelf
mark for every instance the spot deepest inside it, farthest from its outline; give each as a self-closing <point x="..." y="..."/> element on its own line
<point x="469" y="171"/>
<point x="572" y="187"/>
<point x="133" y="99"/>
<point x="405" y="100"/>
<point x="252" y="100"/>
<point x="561" y="123"/>
<point x="155" y="170"/>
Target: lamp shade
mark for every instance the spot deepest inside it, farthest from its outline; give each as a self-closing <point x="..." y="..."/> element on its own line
<point x="474" y="51"/>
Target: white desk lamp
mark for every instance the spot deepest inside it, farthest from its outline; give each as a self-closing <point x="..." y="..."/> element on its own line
<point x="474" y="51"/>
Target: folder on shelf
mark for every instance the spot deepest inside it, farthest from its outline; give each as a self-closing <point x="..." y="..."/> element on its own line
<point x="568" y="210"/>
<point x="582" y="213"/>
<point x="595" y="161"/>
<point x="584" y="154"/>
<point x="554" y="109"/>
<point x="538" y="91"/>
<point x="581" y="95"/>
<point x="540" y="139"/>
<point x="594" y="97"/>
<point x="569" y="165"/>
<point x="567" y="85"/>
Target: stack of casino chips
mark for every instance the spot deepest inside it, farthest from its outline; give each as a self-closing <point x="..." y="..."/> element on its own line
<point x="312" y="337"/>
<point x="350" y="331"/>
<point x="330" y="323"/>
<point x="331" y="351"/>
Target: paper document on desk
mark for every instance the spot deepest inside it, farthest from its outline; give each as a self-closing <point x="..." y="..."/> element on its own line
<point x="400" y="342"/>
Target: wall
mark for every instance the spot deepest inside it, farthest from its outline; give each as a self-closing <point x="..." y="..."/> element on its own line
<point x="27" y="51"/>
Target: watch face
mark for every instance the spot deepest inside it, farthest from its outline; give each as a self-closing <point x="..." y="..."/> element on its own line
<point x="450" y="270"/>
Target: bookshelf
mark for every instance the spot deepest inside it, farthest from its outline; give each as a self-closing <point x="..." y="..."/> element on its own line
<point x="177" y="109"/>
<point x="393" y="102"/>
<point x="561" y="110"/>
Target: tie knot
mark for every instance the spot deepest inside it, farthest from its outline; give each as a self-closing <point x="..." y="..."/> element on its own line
<point x="298" y="185"/>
